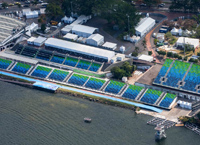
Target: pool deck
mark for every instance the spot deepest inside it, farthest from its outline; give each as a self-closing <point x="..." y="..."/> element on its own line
<point x="85" y="92"/>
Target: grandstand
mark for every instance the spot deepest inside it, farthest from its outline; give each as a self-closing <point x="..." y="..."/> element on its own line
<point x="71" y="61"/>
<point x="41" y="72"/>
<point x="8" y="26"/>
<point x="179" y="75"/>
<point x="95" y="83"/>
<point x="78" y="79"/>
<point x="151" y="96"/>
<point x="114" y="87"/>
<point x="132" y="92"/>
<point x="4" y="63"/>
<point x="83" y="64"/>
<point x="119" y="89"/>
<point x="95" y="67"/>
<point x="57" y="59"/>
<point x="21" y="68"/>
<point x="58" y="75"/>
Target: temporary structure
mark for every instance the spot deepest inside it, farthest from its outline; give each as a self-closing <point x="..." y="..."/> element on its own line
<point x="174" y="31"/>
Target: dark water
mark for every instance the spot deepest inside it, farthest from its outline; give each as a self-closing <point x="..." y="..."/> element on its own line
<point x="32" y="117"/>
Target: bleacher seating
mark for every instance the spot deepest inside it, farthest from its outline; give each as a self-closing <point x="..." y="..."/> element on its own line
<point x="57" y="59"/>
<point x="41" y="72"/>
<point x="44" y="55"/>
<point x="192" y="79"/>
<point x="95" y="67"/>
<point x="151" y="96"/>
<point x="29" y="51"/>
<point x="132" y="92"/>
<point x="21" y="68"/>
<point x="114" y="87"/>
<point x="19" y="49"/>
<point x="71" y="61"/>
<point x="4" y="63"/>
<point x="77" y="79"/>
<point x="95" y="83"/>
<point x="83" y="64"/>
<point x="58" y="75"/>
<point x="176" y="73"/>
<point x="163" y="70"/>
<point x="167" y="100"/>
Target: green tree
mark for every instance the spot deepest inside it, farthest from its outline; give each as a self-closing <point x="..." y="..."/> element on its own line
<point x="188" y="47"/>
<point x="43" y="27"/>
<point x="144" y="43"/>
<point x="4" y="5"/>
<point x="149" y="52"/>
<point x="155" y="41"/>
<point x="118" y="73"/>
<point x="134" y="53"/>
<point x="54" y="11"/>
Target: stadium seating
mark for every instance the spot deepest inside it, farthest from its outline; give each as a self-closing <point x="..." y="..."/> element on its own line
<point x="19" y="49"/>
<point x="4" y="63"/>
<point x="29" y="51"/>
<point x="58" y="75"/>
<point x="114" y="87"/>
<point x="94" y="83"/>
<point x="83" y="64"/>
<point x="176" y="73"/>
<point x="41" y="72"/>
<point x="132" y="92"/>
<point x="77" y="79"/>
<point x="192" y="79"/>
<point x="95" y="67"/>
<point x="163" y="70"/>
<point x="151" y="96"/>
<point x="168" y="99"/>
<point x="71" y="61"/>
<point x="21" y="68"/>
<point x="57" y="59"/>
<point x="44" y="55"/>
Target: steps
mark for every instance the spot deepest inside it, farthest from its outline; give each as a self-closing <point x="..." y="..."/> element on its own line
<point x="168" y="71"/>
<point x="139" y="97"/>
<point x="123" y="89"/>
<point x="11" y="66"/>
<point x="160" y="98"/>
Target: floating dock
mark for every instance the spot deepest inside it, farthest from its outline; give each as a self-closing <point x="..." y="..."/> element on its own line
<point x="159" y="121"/>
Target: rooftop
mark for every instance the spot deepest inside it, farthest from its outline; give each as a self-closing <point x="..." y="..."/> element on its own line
<point x="76" y="47"/>
<point x="149" y="76"/>
<point x="84" y="29"/>
<point x="109" y="45"/>
<point x="40" y="39"/>
<point x="187" y="40"/>
<point x="96" y="37"/>
<point x="144" y="23"/>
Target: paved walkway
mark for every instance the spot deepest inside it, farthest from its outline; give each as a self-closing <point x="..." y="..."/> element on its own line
<point x="85" y="92"/>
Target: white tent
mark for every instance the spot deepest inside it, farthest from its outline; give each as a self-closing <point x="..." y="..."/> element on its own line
<point x="174" y="31"/>
<point x="180" y="31"/>
<point x="31" y="14"/>
<point x="184" y="104"/>
<point x="95" y="40"/>
<point x="70" y="20"/>
<point x="182" y="41"/>
<point x="33" y="27"/>
<point x="64" y="19"/>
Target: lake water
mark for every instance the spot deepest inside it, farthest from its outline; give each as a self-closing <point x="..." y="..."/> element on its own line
<point x="33" y="117"/>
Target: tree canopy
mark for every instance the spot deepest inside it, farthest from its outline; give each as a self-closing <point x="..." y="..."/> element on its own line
<point x="117" y="12"/>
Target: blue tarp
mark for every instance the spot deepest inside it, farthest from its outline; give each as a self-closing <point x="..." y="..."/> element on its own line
<point x="86" y="92"/>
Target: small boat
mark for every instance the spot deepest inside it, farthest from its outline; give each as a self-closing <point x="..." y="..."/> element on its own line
<point x="87" y="120"/>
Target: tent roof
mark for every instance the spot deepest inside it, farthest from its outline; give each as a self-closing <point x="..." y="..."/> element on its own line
<point x="84" y="29"/>
<point x="76" y="47"/>
<point x="144" y="24"/>
<point x="95" y="37"/>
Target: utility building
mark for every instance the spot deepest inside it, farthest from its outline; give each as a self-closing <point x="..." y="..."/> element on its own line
<point x="95" y="40"/>
<point x="83" y="31"/>
<point x="144" y="26"/>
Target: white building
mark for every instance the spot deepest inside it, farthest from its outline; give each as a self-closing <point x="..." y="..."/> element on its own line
<point x="146" y="58"/>
<point x="144" y="26"/>
<point x="95" y="40"/>
<point x="66" y="29"/>
<point x="31" y="14"/>
<point x="110" y="45"/>
<point x="174" y="31"/>
<point x="39" y="41"/>
<point x="182" y="41"/>
<point x="84" y="51"/>
<point x="83" y="31"/>
<point x="70" y="36"/>
<point x="33" y="27"/>
<point x="24" y="11"/>
<point x="67" y="20"/>
<point x="31" y="40"/>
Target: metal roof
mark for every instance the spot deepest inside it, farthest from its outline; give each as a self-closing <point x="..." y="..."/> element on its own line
<point x="40" y="39"/>
<point x="80" y="48"/>
<point x="109" y="45"/>
<point x="96" y="37"/>
<point x="84" y="29"/>
<point x="144" y="24"/>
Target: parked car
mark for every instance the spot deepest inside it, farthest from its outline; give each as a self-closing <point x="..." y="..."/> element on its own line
<point x="143" y="5"/>
<point x="161" y="5"/>
<point x="26" y="6"/>
<point x="11" y="4"/>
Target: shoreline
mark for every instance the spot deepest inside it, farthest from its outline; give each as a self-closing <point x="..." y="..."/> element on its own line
<point x="88" y="97"/>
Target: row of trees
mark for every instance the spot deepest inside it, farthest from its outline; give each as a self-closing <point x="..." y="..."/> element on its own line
<point x="124" y="71"/>
<point x="117" y="12"/>
<point x="185" y="5"/>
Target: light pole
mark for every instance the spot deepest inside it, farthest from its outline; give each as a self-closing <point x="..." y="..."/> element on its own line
<point x="71" y="9"/>
<point x="128" y="25"/>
